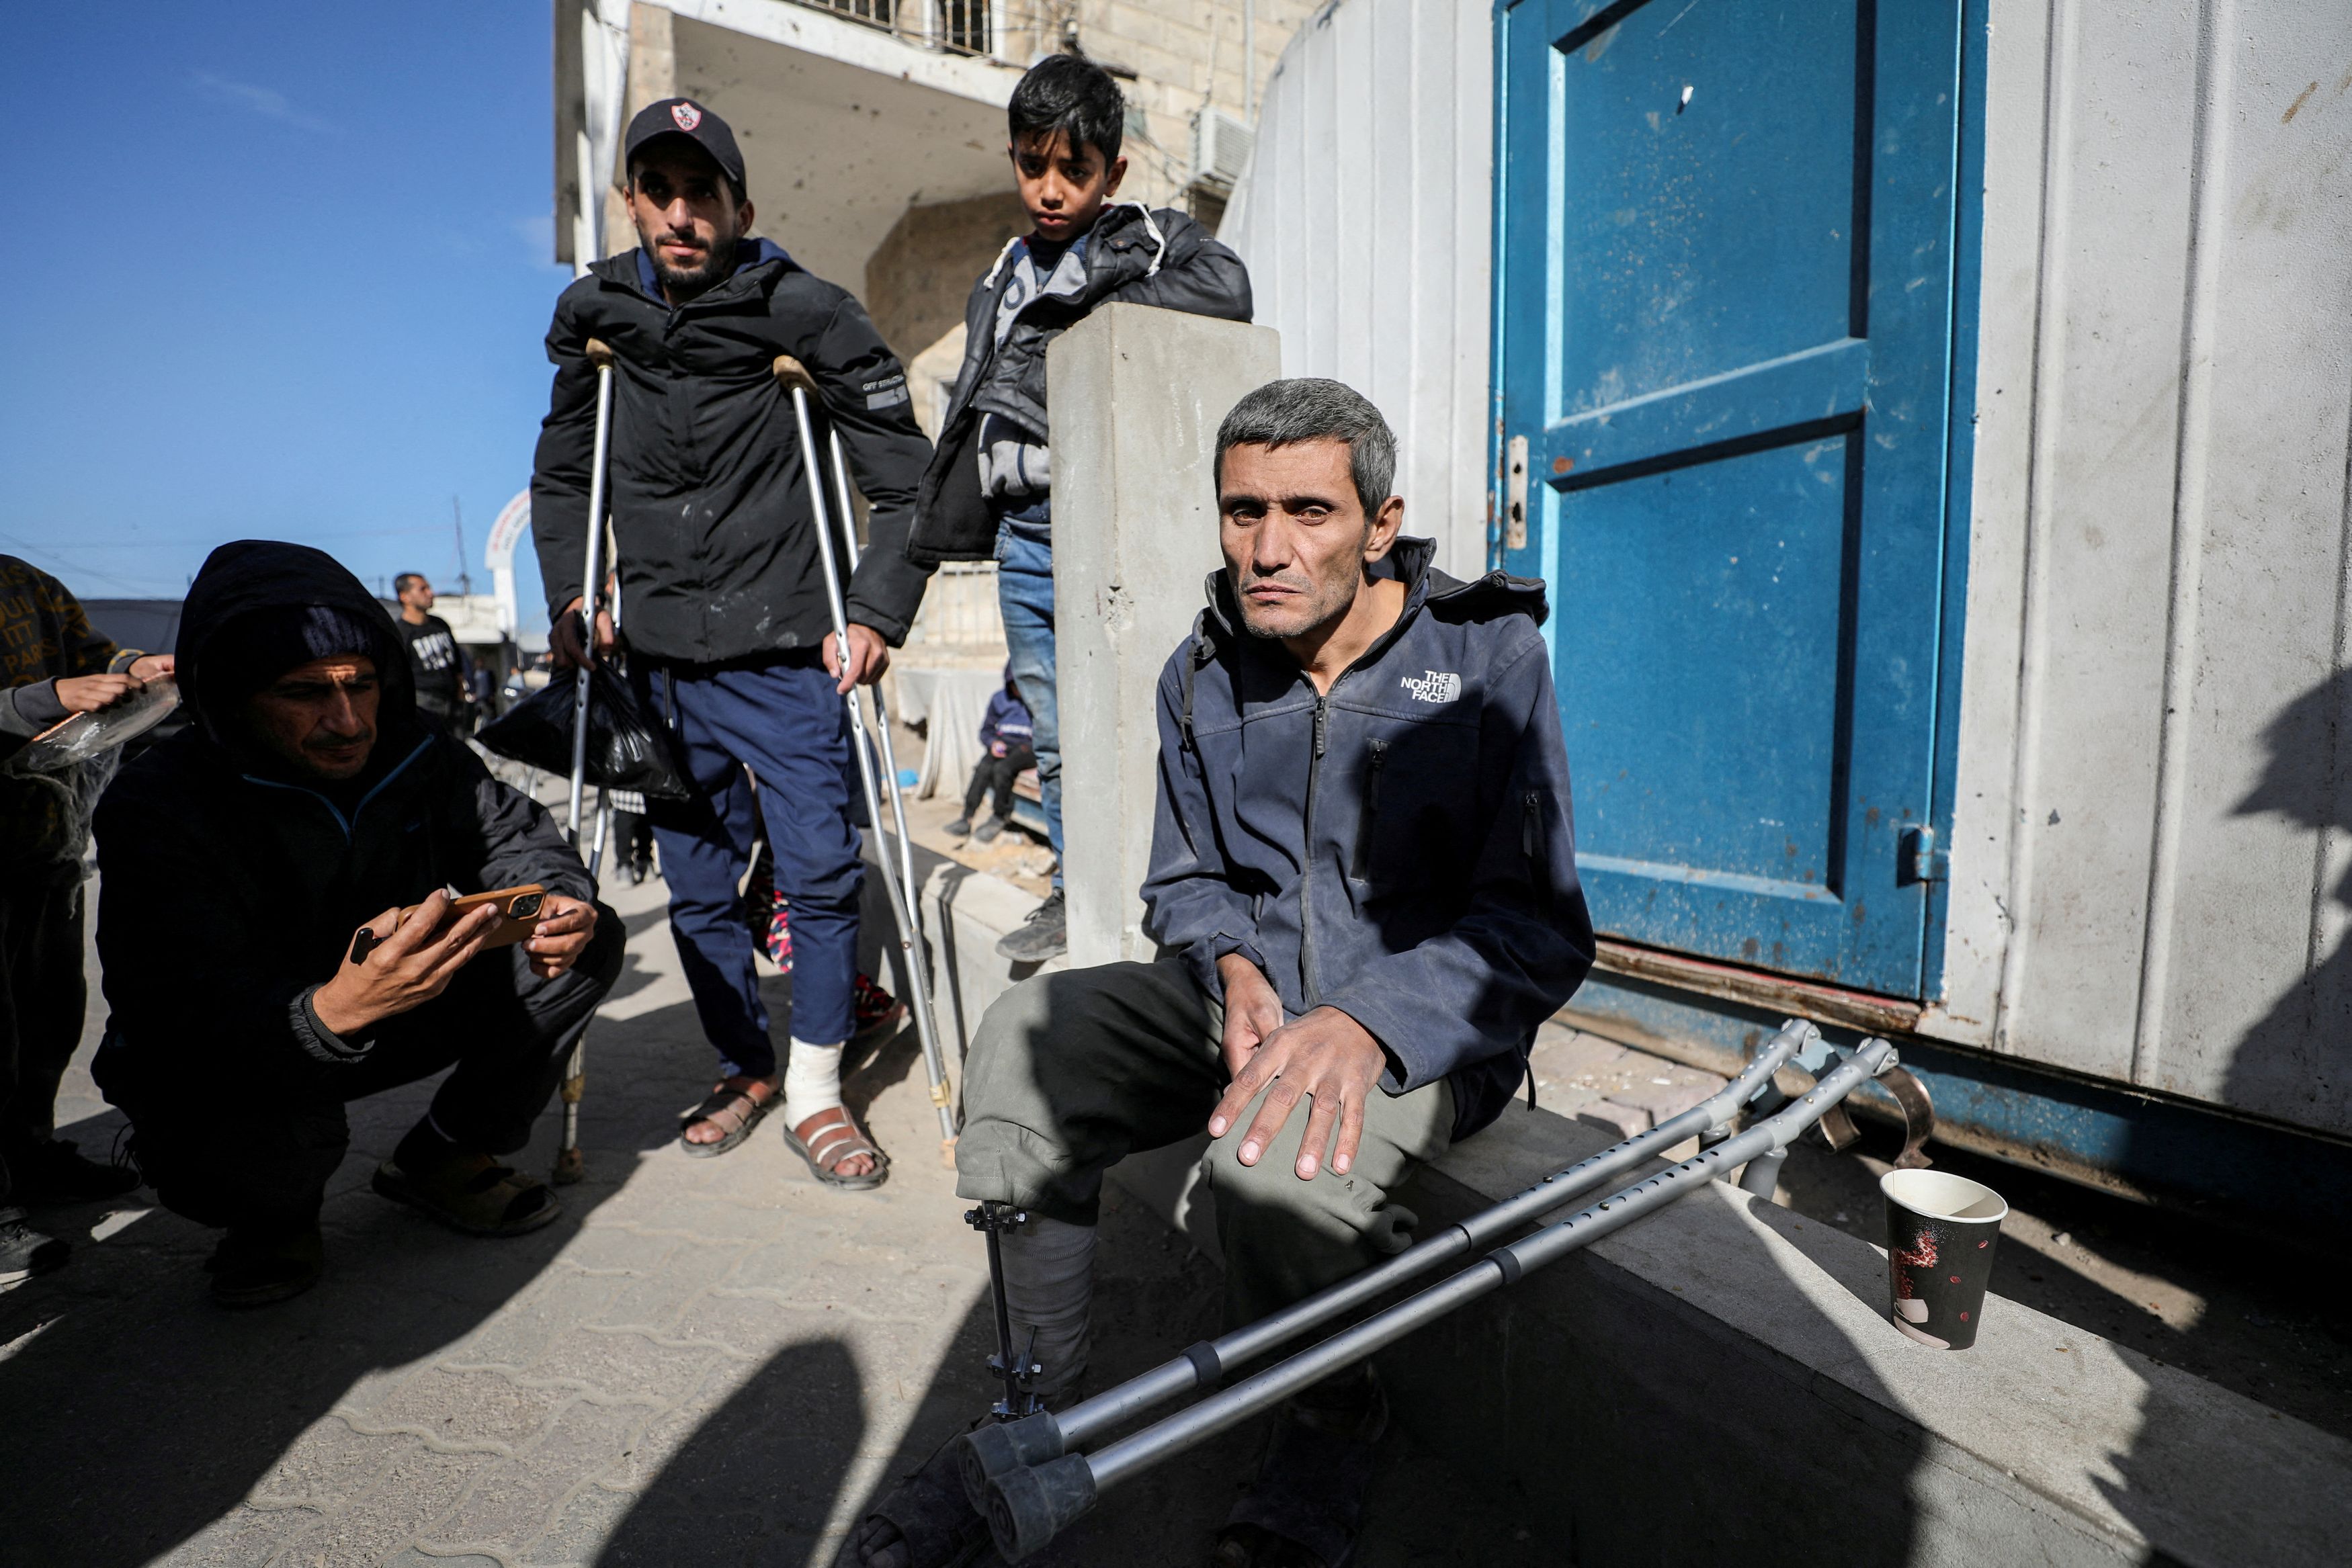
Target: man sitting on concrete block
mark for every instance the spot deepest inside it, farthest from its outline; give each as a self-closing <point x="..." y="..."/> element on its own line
<point x="1364" y="884"/>
<point x="277" y="939"/>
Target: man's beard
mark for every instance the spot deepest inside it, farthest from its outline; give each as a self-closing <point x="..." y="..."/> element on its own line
<point x="685" y="285"/>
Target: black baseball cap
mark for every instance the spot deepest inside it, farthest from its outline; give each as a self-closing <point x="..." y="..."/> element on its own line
<point x="684" y="117"/>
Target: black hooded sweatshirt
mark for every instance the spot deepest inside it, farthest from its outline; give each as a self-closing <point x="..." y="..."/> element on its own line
<point x="231" y="885"/>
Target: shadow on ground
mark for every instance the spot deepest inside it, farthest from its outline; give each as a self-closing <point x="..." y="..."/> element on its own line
<point x="141" y="1416"/>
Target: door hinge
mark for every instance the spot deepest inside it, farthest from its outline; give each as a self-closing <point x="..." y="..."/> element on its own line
<point x="1916" y="858"/>
<point x="1515" y="494"/>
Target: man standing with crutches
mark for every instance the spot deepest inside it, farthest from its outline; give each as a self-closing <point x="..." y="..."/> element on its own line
<point x="722" y="575"/>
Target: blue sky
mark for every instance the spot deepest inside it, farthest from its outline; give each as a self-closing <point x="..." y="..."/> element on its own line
<point x="284" y="274"/>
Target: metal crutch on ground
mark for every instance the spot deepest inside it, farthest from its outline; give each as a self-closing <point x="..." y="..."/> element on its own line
<point x="1048" y="1436"/>
<point x="1029" y="1501"/>
<point x="902" y="897"/>
<point x="569" y="1165"/>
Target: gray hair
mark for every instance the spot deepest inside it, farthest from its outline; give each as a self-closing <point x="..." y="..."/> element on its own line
<point x="1309" y="408"/>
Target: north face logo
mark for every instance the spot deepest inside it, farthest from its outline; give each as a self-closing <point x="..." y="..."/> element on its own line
<point x="1436" y="686"/>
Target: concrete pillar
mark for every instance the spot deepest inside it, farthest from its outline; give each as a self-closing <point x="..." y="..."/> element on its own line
<point x="1136" y="395"/>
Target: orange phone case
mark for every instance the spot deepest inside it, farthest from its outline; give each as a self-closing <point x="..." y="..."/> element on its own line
<point x="515" y="927"/>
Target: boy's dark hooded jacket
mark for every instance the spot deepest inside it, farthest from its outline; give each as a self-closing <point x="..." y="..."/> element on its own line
<point x="1400" y="848"/>
<point x="1134" y="256"/>
<point x="718" y="557"/>
<point x="231" y="885"/>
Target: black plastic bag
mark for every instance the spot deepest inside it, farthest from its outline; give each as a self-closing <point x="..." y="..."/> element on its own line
<point x="625" y="750"/>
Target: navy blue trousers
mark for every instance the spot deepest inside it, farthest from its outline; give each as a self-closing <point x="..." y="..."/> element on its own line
<point x="786" y="723"/>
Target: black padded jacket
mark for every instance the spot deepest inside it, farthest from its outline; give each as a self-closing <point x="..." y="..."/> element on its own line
<point x="1134" y="256"/>
<point x="718" y="559"/>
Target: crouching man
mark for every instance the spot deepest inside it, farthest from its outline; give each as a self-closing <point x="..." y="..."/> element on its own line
<point x="1365" y="887"/>
<point x="238" y="863"/>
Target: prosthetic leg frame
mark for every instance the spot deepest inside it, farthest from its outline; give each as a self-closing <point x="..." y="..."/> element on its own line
<point x="1018" y="1370"/>
<point x="1025" y="1476"/>
<point x="902" y="892"/>
<point x="569" y="1165"/>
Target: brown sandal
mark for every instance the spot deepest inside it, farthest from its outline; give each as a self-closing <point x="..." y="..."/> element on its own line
<point x="719" y="1104"/>
<point x="833" y="1137"/>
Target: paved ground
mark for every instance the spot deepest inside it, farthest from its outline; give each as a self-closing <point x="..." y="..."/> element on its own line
<point x="718" y="1361"/>
<point x="706" y="1361"/>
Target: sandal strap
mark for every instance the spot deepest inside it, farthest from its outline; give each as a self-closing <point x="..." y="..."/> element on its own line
<point x="722" y="1101"/>
<point x="832" y="1136"/>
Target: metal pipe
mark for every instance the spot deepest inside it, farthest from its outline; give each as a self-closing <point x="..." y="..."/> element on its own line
<point x="1114" y="1407"/>
<point x="911" y="938"/>
<point x="591" y="578"/>
<point x="1028" y="1506"/>
<point x="900" y="907"/>
<point x="604" y="822"/>
<point x="881" y="714"/>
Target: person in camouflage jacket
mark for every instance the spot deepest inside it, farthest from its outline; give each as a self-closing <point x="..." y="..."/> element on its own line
<point x="52" y="665"/>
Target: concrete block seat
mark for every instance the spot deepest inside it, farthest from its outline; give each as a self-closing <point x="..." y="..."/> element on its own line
<point x="1720" y="1382"/>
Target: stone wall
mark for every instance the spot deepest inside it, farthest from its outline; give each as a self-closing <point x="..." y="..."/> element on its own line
<point x="920" y="275"/>
<point x="1172" y="57"/>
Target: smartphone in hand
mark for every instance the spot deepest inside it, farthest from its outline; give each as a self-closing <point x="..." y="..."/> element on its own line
<point x="518" y="907"/>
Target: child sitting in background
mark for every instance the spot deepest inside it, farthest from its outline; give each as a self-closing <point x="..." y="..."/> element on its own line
<point x="1006" y="736"/>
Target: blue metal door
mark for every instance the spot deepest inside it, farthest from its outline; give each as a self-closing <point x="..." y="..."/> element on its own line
<point x="1725" y="262"/>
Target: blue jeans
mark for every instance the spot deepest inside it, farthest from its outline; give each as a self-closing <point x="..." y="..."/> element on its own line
<point x="1024" y="591"/>
<point x="786" y="724"/>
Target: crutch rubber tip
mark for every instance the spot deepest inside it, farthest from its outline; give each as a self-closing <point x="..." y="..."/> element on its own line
<point x="1027" y="1508"/>
<point x="1003" y="1447"/>
<point x="569" y="1170"/>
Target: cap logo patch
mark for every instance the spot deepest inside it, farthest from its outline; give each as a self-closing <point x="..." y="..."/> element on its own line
<point x="686" y="115"/>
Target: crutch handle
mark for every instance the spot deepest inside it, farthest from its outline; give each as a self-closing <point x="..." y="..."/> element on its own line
<point x="790" y="373"/>
<point x="600" y="353"/>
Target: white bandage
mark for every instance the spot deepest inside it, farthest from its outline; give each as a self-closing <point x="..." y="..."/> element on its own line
<point x="811" y="1081"/>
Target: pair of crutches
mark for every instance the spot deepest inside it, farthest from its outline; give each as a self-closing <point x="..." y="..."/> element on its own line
<point x="1030" y="1477"/>
<point x="898" y="878"/>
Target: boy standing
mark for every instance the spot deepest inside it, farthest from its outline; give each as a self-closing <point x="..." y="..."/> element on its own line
<point x="988" y="493"/>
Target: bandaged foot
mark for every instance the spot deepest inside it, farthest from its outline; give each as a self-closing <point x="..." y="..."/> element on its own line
<point x="813" y="1086"/>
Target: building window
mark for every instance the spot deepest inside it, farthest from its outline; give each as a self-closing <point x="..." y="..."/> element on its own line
<point x="964" y="27"/>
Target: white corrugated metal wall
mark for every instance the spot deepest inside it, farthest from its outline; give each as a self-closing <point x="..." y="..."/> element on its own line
<point x="2153" y="779"/>
<point x="1364" y="219"/>
<point x="2152" y="845"/>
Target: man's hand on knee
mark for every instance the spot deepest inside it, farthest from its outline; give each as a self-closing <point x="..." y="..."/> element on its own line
<point x="1253" y="1009"/>
<point x="565" y="927"/>
<point x="407" y="967"/>
<point x="1327" y="1056"/>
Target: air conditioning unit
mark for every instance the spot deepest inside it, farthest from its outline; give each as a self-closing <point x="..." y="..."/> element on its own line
<point x="1221" y="146"/>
